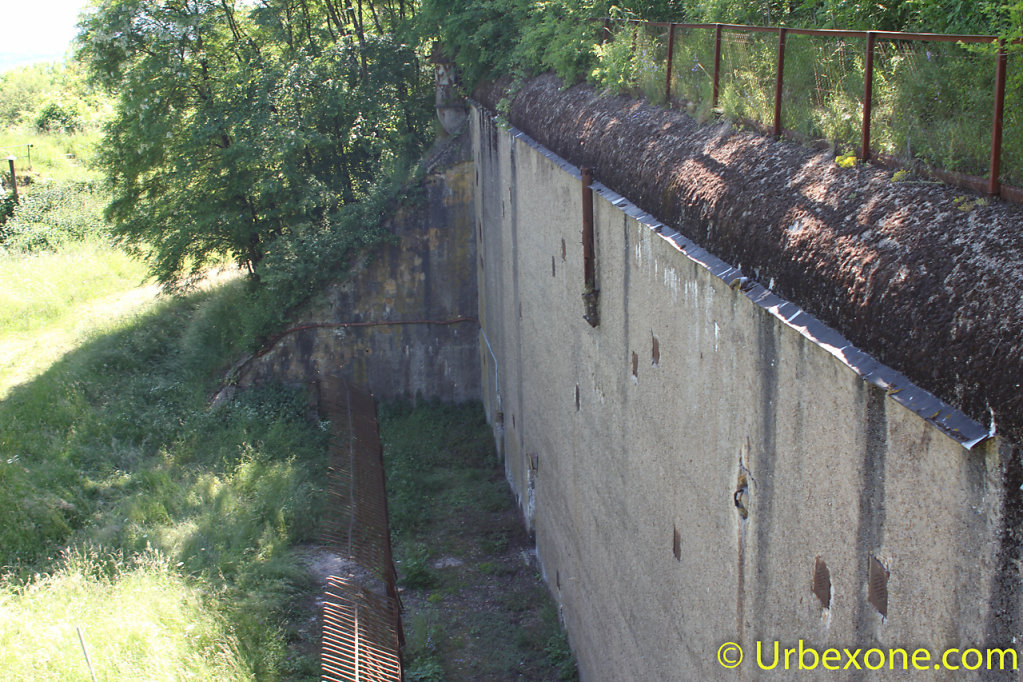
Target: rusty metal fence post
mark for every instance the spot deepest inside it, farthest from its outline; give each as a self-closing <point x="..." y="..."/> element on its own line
<point x="778" y="82"/>
<point x="868" y="95"/>
<point x="14" y="178"/>
<point x="994" y="186"/>
<point x="671" y="54"/>
<point x="717" y="63"/>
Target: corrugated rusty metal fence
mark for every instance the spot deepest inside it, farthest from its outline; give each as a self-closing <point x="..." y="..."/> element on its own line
<point x="836" y="73"/>
<point x="362" y="630"/>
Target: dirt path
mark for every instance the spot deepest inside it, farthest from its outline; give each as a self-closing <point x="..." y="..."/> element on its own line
<point x="23" y="356"/>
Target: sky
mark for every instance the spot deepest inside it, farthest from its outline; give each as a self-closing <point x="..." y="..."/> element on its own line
<point x="36" y="30"/>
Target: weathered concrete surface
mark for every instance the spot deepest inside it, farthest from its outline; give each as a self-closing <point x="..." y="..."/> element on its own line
<point x="617" y="437"/>
<point x="426" y="277"/>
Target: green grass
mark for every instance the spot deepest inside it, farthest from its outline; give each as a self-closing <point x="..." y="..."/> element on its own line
<point x="174" y="535"/>
<point x="440" y="458"/>
<point x="61" y="282"/>
<point x="481" y="613"/>
<point x="52" y="302"/>
<point x="139" y="619"/>
<point x="109" y="447"/>
<point x="932" y="102"/>
<point x="59" y="157"/>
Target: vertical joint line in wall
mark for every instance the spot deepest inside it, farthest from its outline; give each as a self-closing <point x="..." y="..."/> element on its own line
<point x="590" y="292"/>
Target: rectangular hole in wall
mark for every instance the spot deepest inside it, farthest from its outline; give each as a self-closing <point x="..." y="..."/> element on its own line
<point x="655" y="351"/>
<point x="635" y="364"/>
<point x="676" y="545"/>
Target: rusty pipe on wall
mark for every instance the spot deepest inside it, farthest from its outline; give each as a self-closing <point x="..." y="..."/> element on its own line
<point x="590" y="292"/>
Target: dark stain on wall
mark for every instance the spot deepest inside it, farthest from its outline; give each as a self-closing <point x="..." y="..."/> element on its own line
<point x="870" y="526"/>
<point x="1005" y="620"/>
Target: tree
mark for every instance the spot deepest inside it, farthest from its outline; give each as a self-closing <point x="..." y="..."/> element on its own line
<point x="239" y="126"/>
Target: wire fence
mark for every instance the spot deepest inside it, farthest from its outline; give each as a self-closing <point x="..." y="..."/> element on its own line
<point x="22" y="154"/>
<point x="948" y="106"/>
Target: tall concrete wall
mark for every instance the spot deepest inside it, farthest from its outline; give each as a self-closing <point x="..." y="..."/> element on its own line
<point x="426" y="277"/>
<point x="687" y="464"/>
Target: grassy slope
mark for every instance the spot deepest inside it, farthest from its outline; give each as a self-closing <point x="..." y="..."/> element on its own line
<point x="166" y="530"/>
<point x="174" y="537"/>
<point x="51" y="302"/>
<point x="169" y="533"/>
<point x="173" y="534"/>
<point x="54" y="155"/>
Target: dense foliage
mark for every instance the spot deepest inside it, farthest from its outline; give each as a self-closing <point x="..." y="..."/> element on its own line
<point x="530" y="36"/>
<point x="243" y="128"/>
<point x="53" y="215"/>
<point x="932" y="102"/>
<point x="60" y="117"/>
<point x="50" y="116"/>
<point x="44" y="94"/>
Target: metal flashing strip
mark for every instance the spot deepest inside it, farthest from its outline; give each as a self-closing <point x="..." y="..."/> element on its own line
<point x="950" y="420"/>
<point x="929" y="407"/>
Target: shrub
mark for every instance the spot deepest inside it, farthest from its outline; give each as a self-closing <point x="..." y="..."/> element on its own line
<point x="63" y="117"/>
<point x="51" y="216"/>
<point x="7" y="206"/>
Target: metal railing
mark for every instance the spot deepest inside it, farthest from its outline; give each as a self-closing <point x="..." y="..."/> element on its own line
<point x="659" y="55"/>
